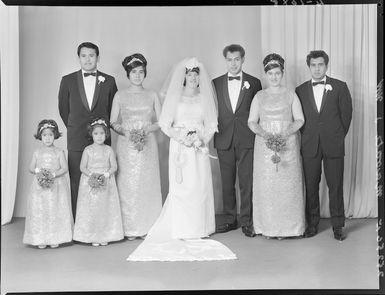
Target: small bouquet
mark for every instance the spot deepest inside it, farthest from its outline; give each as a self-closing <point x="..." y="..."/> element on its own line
<point x="45" y="178"/>
<point x="97" y="180"/>
<point x="276" y="143"/>
<point x="190" y="138"/>
<point x="137" y="135"/>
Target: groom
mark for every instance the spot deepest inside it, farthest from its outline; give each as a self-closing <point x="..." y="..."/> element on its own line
<point x="83" y="95"/>
<point x="327" y="107"/>
<point x="235" y="141"/>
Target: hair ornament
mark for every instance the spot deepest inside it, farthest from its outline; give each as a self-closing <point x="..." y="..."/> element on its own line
<point x="45" y="126"/>
<point x="192" y="63"/>
<point x="273" y="62"/>
<point x="133" y="60"/>
<point x="99" y="122"/>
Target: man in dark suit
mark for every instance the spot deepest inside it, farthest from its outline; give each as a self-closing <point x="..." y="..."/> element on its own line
<point x="234" y="140"/>
<point x="83" y="95"/>
<point x="327" y="107"/>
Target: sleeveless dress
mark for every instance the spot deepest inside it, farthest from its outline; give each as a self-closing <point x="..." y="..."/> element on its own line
<point x="49" y="217"/>
<point x="138" y="177"/>
<point x="278" y="189"/>
<point x="98" y="217"/>
<point x="188" y="213"/>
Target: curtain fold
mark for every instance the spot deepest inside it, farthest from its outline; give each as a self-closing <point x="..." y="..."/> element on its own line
<point x="9" y="63"/>
<point x="348" y="33"/>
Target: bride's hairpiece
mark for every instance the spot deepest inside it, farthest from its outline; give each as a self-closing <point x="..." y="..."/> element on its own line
<point x="99" y="122"/>
<point x="133" y="60"/>
<point x="192" y="63"/>
<point x="45" y="126"/>
<point x="273" y="62"/>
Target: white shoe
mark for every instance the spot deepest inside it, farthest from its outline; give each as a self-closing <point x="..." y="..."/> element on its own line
<point x="104" y="244"/>
<point x="54" y="246"/>
<point x="42" y="246"/>
<point x="95" y="244"/>
<point x="131" y="238"/>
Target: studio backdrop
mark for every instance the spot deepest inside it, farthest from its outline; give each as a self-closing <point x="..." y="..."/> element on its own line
<point x="47" y="40"/>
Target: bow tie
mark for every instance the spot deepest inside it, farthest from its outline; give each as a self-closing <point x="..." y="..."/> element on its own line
<point x="90" y="74"/>
<point x="235" y="77"/>
<point x="318" y="83"/>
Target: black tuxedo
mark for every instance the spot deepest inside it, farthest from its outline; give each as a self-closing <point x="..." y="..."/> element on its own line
<point x="76" y="114"/>
<point x="234" y="143"/>
<point x="323" y="137"/>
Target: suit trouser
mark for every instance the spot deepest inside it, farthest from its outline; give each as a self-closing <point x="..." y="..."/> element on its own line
<point x="228" y="160"/>
<point x="74" y="158"/>
<point x="334" y="174"/>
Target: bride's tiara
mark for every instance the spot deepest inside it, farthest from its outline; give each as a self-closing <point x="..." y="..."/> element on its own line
<point x="192" y="63"/>
<point x="273" y="62"/>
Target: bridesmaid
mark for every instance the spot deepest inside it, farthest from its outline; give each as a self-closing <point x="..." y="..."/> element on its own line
<point x="138" y="178"/>
<point x="278" y="195"/>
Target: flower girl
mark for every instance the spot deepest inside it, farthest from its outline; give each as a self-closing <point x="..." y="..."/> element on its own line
<point x="49" y="219"/>
<point x="98" y="217"/>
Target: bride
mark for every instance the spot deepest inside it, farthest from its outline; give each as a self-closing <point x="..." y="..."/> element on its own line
<point x="189" y="118"/>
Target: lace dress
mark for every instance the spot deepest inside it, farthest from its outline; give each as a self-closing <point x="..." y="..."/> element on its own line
<point x="188" y="214"/>
<point x="98" y="217"/>
<point x="278" y="190"/>
<point x="49" y="217"/>
<point x="138" y="176"/>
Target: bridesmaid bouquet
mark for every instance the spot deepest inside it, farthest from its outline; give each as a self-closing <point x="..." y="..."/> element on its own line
<point x="137" y="135"/>
<point x="276" y="143"/>
<point x="96" y="180"/>
<point x="45" y="178"/>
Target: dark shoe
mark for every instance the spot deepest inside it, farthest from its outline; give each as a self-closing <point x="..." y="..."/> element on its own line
<point x="338" y="234"/>
<point x="224" y="228"/>
<point x="248" y="231"/>
<point x="311" y="231"/>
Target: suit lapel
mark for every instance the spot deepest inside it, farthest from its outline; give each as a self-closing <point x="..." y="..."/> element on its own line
<point x="226" y="96"/>
<point x="242" y="92"/>
<point x="311" y="96"/>
<point x="82" y="90"/>
<point x="96" y="92"/>
<point x="325" y="94"/>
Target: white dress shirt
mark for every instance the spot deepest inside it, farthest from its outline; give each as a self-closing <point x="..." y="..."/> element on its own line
<point x="89" y="87"/>
<point x="318" y="92"/>
<point x="234" y="87"/>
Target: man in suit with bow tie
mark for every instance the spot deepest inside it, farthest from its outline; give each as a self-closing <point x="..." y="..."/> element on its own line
<point x="83" y="95"/>
<point x="327" y="107"/>
<point x="235" y="141"/>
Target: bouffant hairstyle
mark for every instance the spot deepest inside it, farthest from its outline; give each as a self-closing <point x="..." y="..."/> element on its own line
<point x="88" y="45"/>
<point x="135" y="60"/>
<point x="234" y="48"/>
<point x="317" y="54"/>
<point x="196" y="70"/>
<point x="47" y="123"/>
<point x="98" y="122"/>
<point x="273" y="60"/>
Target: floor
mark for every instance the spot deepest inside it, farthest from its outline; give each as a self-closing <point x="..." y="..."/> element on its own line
<point x="315" y="263"/>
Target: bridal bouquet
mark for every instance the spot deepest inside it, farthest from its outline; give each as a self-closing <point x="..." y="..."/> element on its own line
<point x="96" y="180"/>
<point x="190" y="138"/>
<point x="137" y="135"/>
<point x="276" y="143"/>
<point x="45" y="178"/>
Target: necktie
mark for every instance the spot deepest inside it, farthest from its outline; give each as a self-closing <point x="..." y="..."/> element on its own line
<point x="318" y="83"/>
<point x="236" y="78"/>
<point x="90" y="74"/>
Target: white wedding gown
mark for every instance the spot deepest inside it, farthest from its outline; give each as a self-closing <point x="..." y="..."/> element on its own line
<point x="187" y="217"/>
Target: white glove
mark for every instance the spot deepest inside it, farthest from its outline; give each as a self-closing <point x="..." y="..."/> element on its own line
<point x="37" y="170"/>
<point x="106" y="174"/>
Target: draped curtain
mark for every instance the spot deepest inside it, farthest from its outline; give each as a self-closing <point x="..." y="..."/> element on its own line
<point x="9" y="63"/>
<point x="348" y="33"/>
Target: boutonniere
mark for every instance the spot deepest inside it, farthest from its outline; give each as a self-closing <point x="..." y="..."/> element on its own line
<point x="101" y="79"/>
<point x="246" y="85"/>
<point x="328" y="87"/>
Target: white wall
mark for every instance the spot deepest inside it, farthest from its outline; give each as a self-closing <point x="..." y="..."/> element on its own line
<point x="49" y="37"/>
